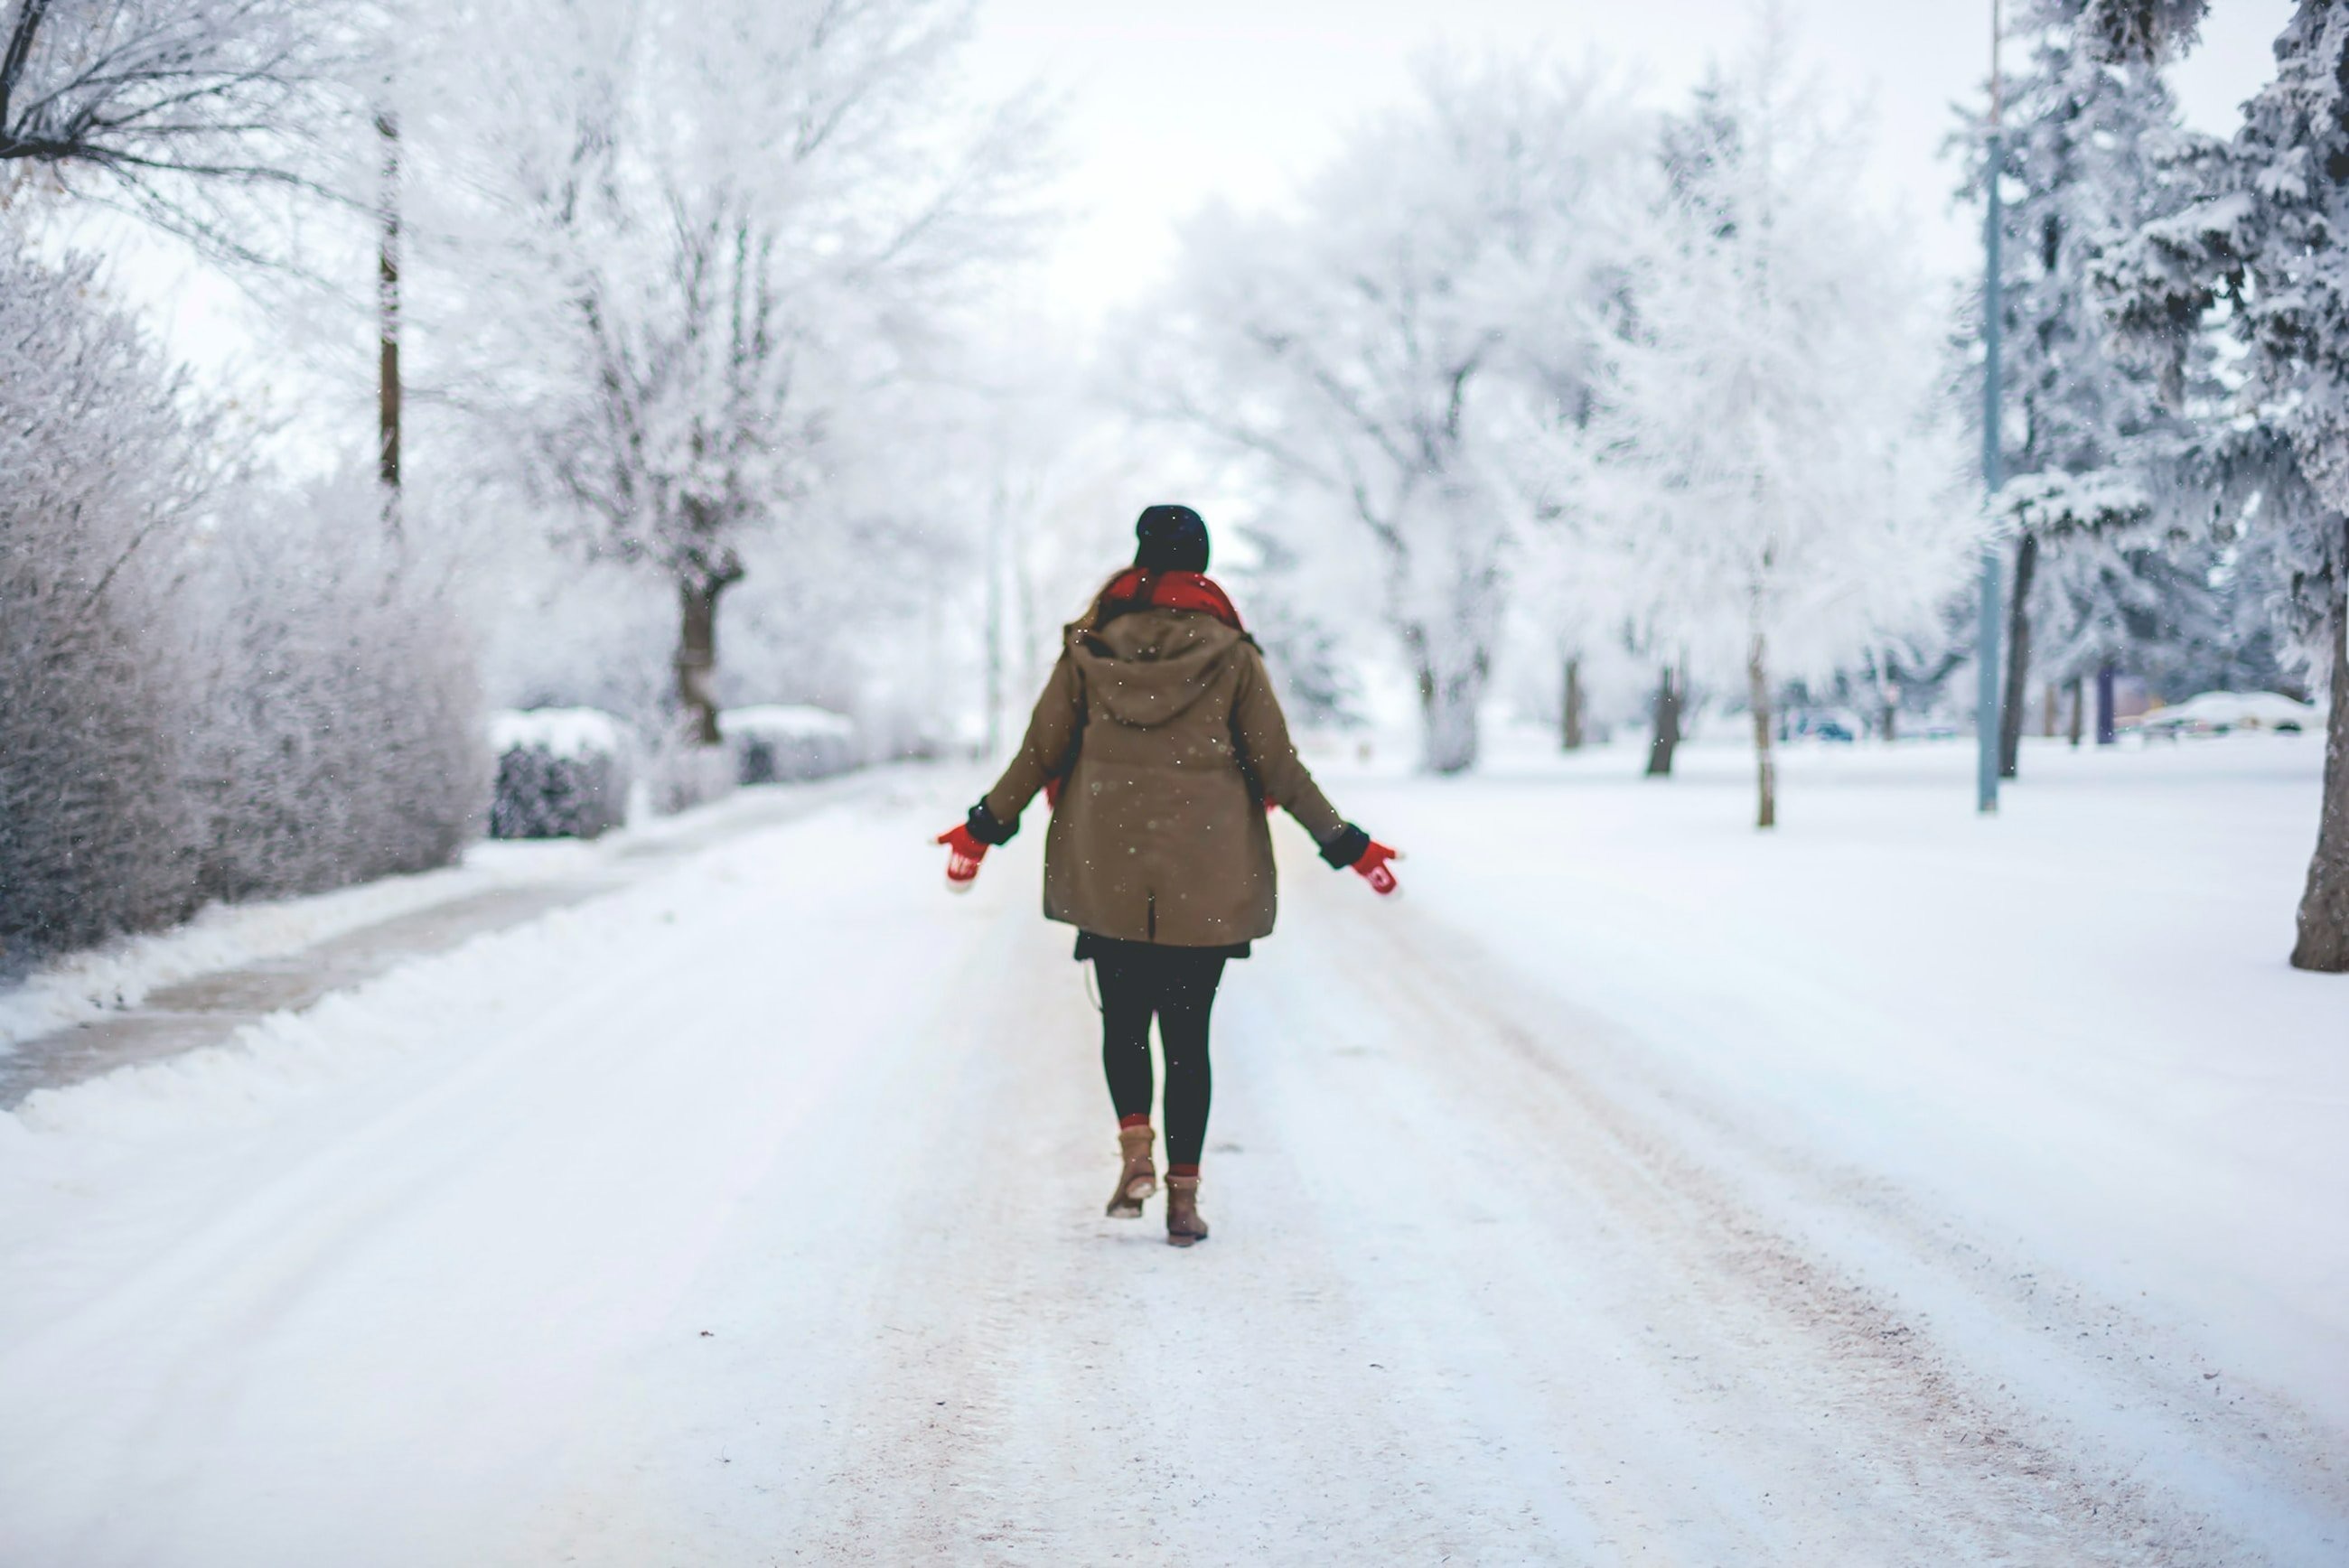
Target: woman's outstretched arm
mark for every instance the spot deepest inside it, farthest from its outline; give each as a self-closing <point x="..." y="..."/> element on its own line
<point x="1046" y="753"/>
<point x="1262" y="731"/>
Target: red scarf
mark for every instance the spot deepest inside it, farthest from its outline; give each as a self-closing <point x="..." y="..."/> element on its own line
<point x="1172" y="590"/>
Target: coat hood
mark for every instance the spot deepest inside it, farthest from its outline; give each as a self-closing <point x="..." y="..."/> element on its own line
<point x="1148" y="666"/>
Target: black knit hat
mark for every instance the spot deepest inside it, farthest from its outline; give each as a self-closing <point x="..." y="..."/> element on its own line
<point x="1171" y="539"/>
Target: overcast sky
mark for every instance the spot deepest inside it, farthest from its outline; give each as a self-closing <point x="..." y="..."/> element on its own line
<point x="1171" y="106"/>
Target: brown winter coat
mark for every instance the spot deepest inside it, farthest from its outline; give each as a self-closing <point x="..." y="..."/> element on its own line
<point x="1166" y="731"/>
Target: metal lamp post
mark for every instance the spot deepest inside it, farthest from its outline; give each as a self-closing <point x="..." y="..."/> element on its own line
<point x="1987" y="714"/>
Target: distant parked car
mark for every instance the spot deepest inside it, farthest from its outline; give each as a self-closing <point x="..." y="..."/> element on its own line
<point x="1819" y="724"/>
<point x="778" y="743"/>
<point x="2224" y="712"/>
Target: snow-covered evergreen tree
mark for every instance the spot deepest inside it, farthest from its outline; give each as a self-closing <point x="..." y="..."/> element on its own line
<point x="2088" y="433"/>
<point x="2266" y="246"/>
<point x="2140" y="29"/>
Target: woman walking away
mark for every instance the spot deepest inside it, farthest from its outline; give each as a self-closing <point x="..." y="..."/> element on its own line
<point x="1160" y="742"/>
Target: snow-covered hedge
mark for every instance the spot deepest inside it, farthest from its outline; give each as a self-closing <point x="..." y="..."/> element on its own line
<point x="562" y="772"/>
<point x="95" y="833"/>
<point x="207" y="689"/>
<point x="342" y="738"/>
<point x="779" y="743"/>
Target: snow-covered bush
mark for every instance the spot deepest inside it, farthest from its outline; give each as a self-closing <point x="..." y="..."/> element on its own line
<point x="343" y="733"/>
<point x="563" y="773"/>
<point x="206" y="691"/>
<point x="780" y="743"/>
<point x="95" y="835"/>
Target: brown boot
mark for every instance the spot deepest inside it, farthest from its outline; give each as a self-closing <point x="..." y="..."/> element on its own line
<point x="1183" y="1225"/>
<point x="1139" y="1179"/>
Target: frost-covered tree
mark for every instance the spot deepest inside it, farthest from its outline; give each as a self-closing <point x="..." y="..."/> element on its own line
<point x="708" y="233"/>
<point x="1377" y="341"/>
<point x="175" y="108"/>
<point x="2090" y="434"/>
<point x="1774" y="460"/>
<point x="2267" y="246"/>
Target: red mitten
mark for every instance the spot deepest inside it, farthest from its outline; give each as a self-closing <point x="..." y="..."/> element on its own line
<point x="1373" y="867"/>
<point x="963" y="855"/>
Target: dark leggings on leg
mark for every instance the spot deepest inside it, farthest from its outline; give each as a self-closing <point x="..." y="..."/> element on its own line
<point x="1178" y="985"/>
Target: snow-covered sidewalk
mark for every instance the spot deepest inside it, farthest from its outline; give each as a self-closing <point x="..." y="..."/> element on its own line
<point x="1901" y="1189"/>
<point x="148" y="997"/>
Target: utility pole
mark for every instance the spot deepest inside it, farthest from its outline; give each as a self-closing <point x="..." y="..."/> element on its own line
<point x="387" y="130"/>
<point x="1986" y="648"/>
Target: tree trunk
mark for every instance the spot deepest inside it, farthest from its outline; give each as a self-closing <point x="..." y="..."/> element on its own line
<point x="696" y="651"/>
<point x="1667" y="737"/>
<point x="1766" y="769"/>
<point x="387" y="131"/>
<point x="2018" y="656"/>
<point x="2324" y="943"/>
<point x="1571" y="736"/>
<point x="1448" y="701"/>
<point x="2079" y="708"/>
<point x="2047" y="703"/>
<point x="1891" y="721"/>
<point x="2107" y="728"/>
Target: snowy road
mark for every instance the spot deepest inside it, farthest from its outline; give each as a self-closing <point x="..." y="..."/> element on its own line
<point x="751" y="1216"/>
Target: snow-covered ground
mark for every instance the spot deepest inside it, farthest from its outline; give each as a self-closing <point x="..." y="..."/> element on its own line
<point x="1901" y="1188"/>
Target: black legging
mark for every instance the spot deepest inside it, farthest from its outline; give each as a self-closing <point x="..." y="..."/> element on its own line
<point x="1178" y="985"/>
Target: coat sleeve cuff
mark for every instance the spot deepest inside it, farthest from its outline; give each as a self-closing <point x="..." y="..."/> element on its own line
<point x="1345" y="846"/>
<point x="985" y="827"/>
